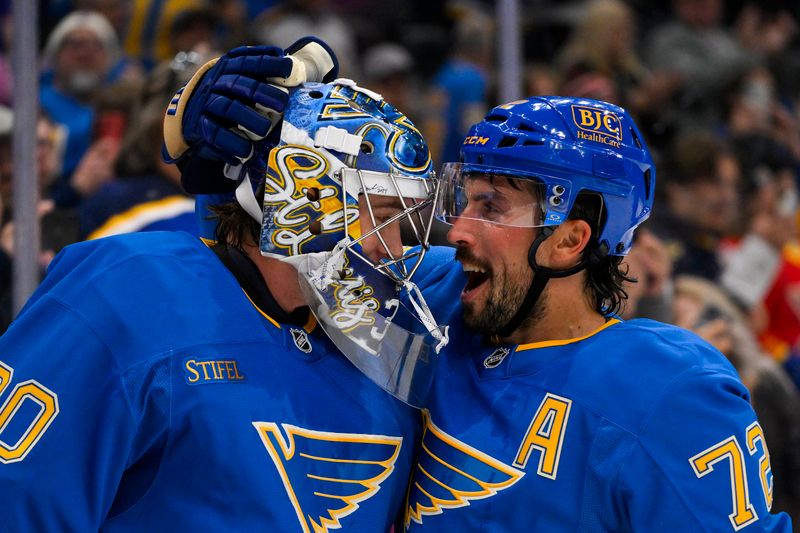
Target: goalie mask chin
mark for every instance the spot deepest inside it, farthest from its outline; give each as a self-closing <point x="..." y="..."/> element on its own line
<point x="342" y="151"/>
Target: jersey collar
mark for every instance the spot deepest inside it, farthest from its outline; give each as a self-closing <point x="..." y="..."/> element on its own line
<point x="255" y="288"/>
<point x="500" y="361"/>
<point x="562" y="342"/>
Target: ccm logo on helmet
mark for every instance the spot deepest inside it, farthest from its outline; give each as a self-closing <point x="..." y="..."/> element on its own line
<point x="597" y="121"/>
<point x="476" y="140"/>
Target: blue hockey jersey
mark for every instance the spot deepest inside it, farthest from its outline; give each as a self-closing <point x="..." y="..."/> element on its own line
<point x="639" y="426"/>
<point x="142" y="390"/>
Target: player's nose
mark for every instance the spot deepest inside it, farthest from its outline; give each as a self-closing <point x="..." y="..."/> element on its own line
<point x="462" y="232"/>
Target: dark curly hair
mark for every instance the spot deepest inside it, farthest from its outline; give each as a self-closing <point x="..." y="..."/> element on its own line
<point x="604" y="273"/>
<point x="235" y="226"/>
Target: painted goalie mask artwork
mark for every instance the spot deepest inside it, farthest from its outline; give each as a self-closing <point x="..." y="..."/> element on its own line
<point x="341" y="145"/>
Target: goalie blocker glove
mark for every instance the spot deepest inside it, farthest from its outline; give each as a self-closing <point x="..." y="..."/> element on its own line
<point x="232" y="102"/>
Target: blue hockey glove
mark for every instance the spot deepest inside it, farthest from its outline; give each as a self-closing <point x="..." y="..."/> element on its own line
<point x="237" y="99"/>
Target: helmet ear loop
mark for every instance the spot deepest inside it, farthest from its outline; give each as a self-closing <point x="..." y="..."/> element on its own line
<point x="541" y="275"/>
<point x="541" y="271"/>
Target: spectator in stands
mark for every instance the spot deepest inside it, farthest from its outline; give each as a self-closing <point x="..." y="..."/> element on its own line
<point x="48" y="153"/>
<point x="389" y="70"/>
<point x="59" y="226"/>
<point x="760" y="124"/>
<point x="601" y="47"/>
<point x="767" y="28"/>
<point x="541" y="79"/>
<point x="82" y="54"/>
<point x="191" y="29"/>
<point x="779" y="303"/>
<point x="708" y="57"/>
<point x="763" y="272"/>
<point x="649" y="264"/>
<point x="600" y="60"/>
<point x="287" y="21"/>
<point x="96" y="168"/>
<point x="148" y="33"/>
<point x="146" y="193"/>
<point x="699" y="181"/>
<point x="117" y="12"/>
<point x="458" y="94"/>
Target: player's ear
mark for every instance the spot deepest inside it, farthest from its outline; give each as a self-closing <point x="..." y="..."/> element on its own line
<point x="568" y="242"/>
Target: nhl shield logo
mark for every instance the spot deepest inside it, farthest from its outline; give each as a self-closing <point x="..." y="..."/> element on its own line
<point x="496" y="357"/>
<point x="300" y="338"/>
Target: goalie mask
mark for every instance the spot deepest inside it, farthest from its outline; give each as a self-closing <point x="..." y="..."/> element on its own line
<point x="350" y="167"/>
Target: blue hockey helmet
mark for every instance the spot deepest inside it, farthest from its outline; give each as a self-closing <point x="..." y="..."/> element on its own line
<point x="564" y="146"/>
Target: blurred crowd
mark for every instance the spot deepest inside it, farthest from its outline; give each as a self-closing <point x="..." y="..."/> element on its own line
<point x="714" y="85"/>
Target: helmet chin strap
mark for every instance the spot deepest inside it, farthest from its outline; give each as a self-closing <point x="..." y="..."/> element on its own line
<point x="541" y="275"/>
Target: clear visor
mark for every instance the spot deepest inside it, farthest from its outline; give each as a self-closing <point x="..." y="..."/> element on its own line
<point x="481" y="193"/>
<point x="368" y="317"/>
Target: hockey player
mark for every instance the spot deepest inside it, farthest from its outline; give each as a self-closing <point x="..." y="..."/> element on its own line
<point x="544" y="396"/>
<point x="548" y="413"/>
<point x="156" y="382"/>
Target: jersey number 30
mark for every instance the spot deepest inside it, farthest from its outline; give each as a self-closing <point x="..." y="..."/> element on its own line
<point x="27" y="438"/>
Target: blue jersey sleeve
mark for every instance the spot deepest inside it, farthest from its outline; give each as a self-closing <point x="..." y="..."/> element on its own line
<point x="701" y="462"/>
<point x="441" y="280"/>
<point x="70" y="419"/>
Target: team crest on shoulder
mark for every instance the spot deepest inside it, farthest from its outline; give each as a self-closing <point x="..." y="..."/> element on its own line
<point x="451" y="473"/>
<point x="301" y="340"/>
<point x="327" y="475"/>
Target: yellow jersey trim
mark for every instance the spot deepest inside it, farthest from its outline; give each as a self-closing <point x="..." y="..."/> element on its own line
<point x="265" y="315"/>
<point x="143" y="214"/>
<point x="562" y="342"/>
<point x="311" y="324"/>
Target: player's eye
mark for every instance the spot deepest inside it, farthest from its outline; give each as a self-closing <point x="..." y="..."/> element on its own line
<point x="385" y="214"/>
<point x="486" y="206"/>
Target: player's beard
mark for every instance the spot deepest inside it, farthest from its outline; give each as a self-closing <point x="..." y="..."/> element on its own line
<point x="507" y="291"/>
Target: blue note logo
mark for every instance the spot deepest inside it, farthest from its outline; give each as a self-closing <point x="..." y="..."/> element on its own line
<point x="451" y="473"/>
<point x="327" y="475"/>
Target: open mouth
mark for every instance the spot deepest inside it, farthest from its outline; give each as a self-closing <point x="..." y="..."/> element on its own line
<point x="476" y="277"/>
